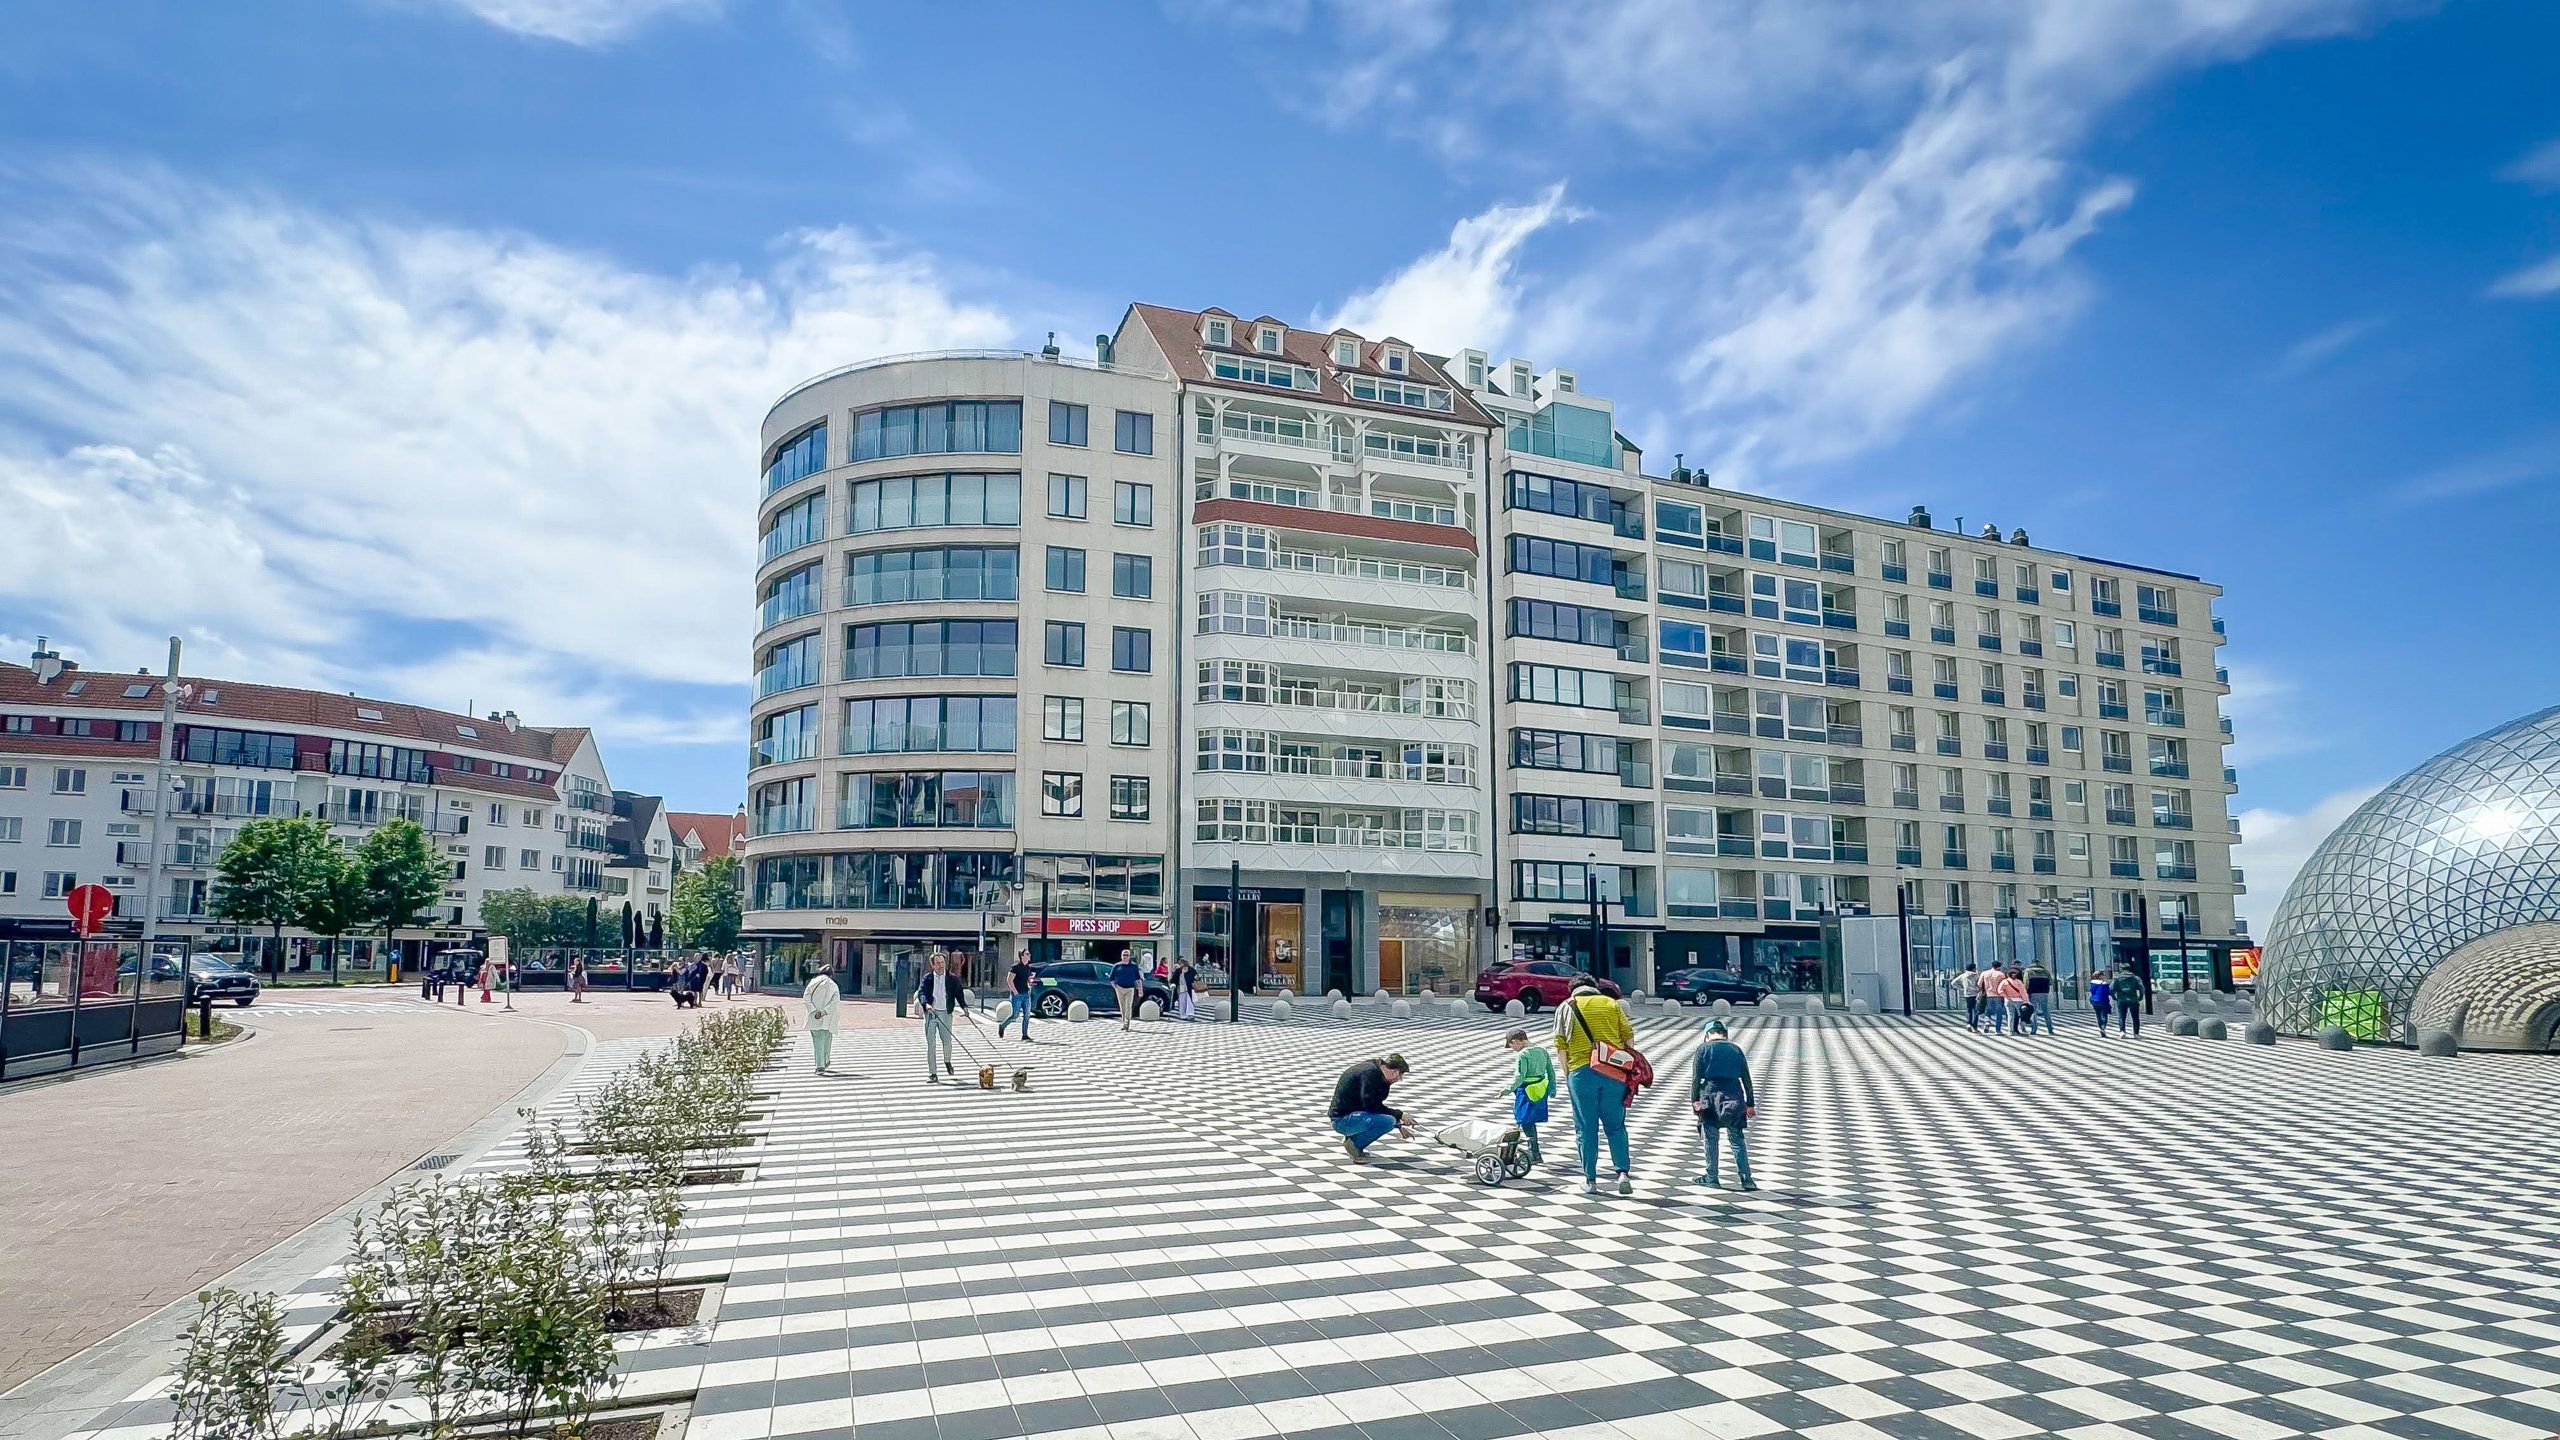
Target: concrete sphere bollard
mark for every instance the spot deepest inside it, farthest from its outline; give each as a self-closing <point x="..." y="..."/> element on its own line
<point x="1859" y="1006"/>
<point x="2182" y="1024"/>
<point x="1150" y="1010"/>
<point x="1078" y="1012"/>
<point x="1670" y="1004"/>
<point x="2261" y="1033"/>
<point x="1380" y="995"/>
<point x="2212" y="1028"/>
<point x="1282" y="1010"/>
<point x="1771" y="1004"/>
<point x="1722" y="1006"/>
<point x="2335" y="1037"/>
<point x="1514" y="1007"/>
<point x="1401" y="1010"/>
<point x="1286" y="993"/>
<point x="1341" y="1009"/>
<point x="2438" y="1042"/>
<point x="1333" y="994"/>
<point x="1637" y="997"/>
<point x="968" y="998"/>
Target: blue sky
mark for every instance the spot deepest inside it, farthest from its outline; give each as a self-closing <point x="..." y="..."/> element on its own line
<point x="416" y="346"/>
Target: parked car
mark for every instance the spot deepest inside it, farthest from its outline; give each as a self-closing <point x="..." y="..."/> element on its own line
<point x="215" y="976"/>
<point x="1536" y="984"/>
<point x="1061" y="982"/>
<point x="1699" y="986"/>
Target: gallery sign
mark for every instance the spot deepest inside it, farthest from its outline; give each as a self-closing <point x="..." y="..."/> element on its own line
<point x="1136" y="926"/>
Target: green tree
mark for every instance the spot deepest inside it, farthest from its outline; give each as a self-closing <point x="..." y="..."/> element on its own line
<point x="336" y="902"/>
<point x="402" y="873"/>
<point x="526" y="919"/>
<point x="271" y="872"/>
<point x="708" y="911"/>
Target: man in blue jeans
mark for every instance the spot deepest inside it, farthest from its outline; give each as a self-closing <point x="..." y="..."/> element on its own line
<point x="1361" y="1114"/>
<point x="1025" y="981"/>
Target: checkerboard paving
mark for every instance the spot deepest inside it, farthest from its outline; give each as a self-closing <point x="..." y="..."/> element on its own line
<point x="1958" y="1235"/>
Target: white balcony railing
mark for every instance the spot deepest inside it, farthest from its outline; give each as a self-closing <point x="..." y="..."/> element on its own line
<point x="1427" y="707"/>
<point x="1362" y="567"/>
<point x="1384" y="637"/>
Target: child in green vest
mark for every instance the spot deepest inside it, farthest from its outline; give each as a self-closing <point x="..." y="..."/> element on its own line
<point x="1533" y="1079"/>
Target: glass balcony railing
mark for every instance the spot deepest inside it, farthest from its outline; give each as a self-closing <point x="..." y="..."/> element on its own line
<point x="2176" y="872"/>
<point x="1849" y="852"/>
<point x="2033" y="699"/>
<point x="1986" y="642"/>
<point x="2108" y="711"/>
<point x="2169" y="769"/>
<point x="1909" y="857"/>
<point x="2116" y="764"/>
<point x="1990" y="588"/>
<point x="1953" y="859"/>
<point x="2119" y="817"/>
<point x="1840" y="619"/>
<point x="2043" y="865"/>
<point x="2172" y="719"/>
<point x="1839" y="563"/>
<point x="2153" y="615"/>
<point x="1998" y="806"/>
<point x="1944" y="690"/>
<point x="2106" y="607"/>
<point x="1942" y="635"/>
<point x="2125" y="869"/>
<point x="2004" y="862"/>
<point x="1898" y="574"/>
<point x="1906" y="743"/>
<point x="1950" y="745"/>
<point x="2031" y="647"/>
<point x="1898" y="684"/>
<point x="1383" y="637"/>
<point x="2172" y="820"/>
<point x="1941" y="580"/>
<point x="2029" y="595"/>
<point x="1995" y="697"/>
<point x="2111" y="659"/>
<point x="1898" y="629"/>
<point x="1363" y="567"/>
<point x="1906" y="799"/>
<point x="1840" y="676"/>
<point x="1951" y="802"/>
<point x="784" y="819"/>
<point x="2039" y="755"/>
<point x="2161" y="665"/>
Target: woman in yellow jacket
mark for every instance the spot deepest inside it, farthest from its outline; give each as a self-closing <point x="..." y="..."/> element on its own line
<point x="1599" y="1101"/>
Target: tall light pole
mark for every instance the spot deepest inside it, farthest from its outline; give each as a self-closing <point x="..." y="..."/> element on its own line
<point x="160" y="840"/>
<point x="1902" y="924"/>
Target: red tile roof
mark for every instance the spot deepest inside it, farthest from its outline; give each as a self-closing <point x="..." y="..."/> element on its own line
<point x="234" y="702"/>
<point x="717" y="834"/>
<point x="1177" y="333"/>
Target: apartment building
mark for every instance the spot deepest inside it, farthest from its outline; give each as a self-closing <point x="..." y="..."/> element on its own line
<point x="510" y="805"/>
<point x="1729" y="716"/>
<point x="964" y="671"/>
<point x="641" y="858"/>
<point x="1415" y="666"/>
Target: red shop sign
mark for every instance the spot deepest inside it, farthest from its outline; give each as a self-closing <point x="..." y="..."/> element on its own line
<point x="1094" y="925"/>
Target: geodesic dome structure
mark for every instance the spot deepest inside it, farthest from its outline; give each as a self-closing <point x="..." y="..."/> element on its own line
<point x="2435" y="906"/>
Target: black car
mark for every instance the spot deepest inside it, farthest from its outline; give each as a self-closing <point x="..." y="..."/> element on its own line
<point x="214" y="976"/>
<point x="1062" y="982"/>
<point x="1705" y="987"/>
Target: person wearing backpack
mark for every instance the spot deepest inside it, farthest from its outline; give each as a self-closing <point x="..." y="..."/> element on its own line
<point x="2040" y="996"/>
<point x="1533" y="1079"/>
<point x="1596" y="1042"/>
<point x="1721" y="1096"/>
<point x="2126" y="993"/>
<point x="2100" y="987"/>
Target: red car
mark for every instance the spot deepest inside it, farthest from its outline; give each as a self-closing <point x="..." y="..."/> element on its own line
<point x="1536" y="984"/>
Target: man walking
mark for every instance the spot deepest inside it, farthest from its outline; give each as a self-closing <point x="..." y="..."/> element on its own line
<point x="1124" y="988"/>
<point x="1022" y="978"/>
<point x="1721" y="1096"/>
<point x="2040" y="996"/>
<point x="820" y="998"/>
<point x="2126" y="993"/>
<point x="1361" y="1114"/>
<point x="937" y="994"/>
<point x="1969" y="985"/>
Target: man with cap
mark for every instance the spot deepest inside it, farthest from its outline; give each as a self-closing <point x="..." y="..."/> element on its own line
<point x="1361" y="1114"/>
<point x="1721" y="1095"/>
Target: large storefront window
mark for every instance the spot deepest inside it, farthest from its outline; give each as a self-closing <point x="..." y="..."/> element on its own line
<point x="1274" y="936"/>
<point x="1426" y="942"/>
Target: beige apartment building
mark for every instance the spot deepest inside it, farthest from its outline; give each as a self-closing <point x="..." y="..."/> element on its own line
<point x="1411" y="666"/>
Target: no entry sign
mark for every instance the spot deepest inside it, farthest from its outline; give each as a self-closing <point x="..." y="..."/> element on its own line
<point x="90" y="905"/>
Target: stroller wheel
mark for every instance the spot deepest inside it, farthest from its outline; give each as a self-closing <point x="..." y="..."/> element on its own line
<point x="1520" y="1166"/>
<point x="1489" y="1169"/>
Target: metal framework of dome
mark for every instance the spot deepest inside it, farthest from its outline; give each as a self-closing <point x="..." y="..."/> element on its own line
<point x="2435" y="906"/>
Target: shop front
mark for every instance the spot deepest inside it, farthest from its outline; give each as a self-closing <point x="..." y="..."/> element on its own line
<point x="1271" y="929"/>
<point x="1571" y="940"/>
<point x="1109" y="939"/>
<point x="1426" y="942"/>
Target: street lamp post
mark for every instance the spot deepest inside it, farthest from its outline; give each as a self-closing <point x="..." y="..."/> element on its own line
<point x="1902" y="925"/>
<point x="159" y="859"/>
<point x="1599" y="915"/>
<point x="1235" y="941"/>
<point x="2150" y="978"/>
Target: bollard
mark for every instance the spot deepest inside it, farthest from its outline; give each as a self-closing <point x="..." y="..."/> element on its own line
<point x="1514" y="1007"/>
<point x="1078" y="1012"/>
<point x="1282" y="1010"/>
<point x="2261" y="1033"/>
<point x="1341" y="1009"/>
<point x="2438" y="1043"/>
<point x="2212" y="1028"/>
<point x="1401" y="1009"/>
<point x="2335" y="1037"/>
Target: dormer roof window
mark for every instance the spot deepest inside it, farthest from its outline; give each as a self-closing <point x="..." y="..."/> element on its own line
<point x="1346" y="351"/>
<point x="1214" y="330"/>
<point x="1266" y="338"/>
<point x="1394" y="360"/>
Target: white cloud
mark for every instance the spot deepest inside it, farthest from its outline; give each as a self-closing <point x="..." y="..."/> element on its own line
<point x="1467" y="292"/>
<point x="2533" y="282"/>
<point x="2522" y="462"/>
<point x="1899" y="207"/>
<point x="2274" y="843"/>
<point x="2539" y="167"/>
<point x="578" y="22"/>
<point x="308" y="444"/>
<point x="2319" y="348"/>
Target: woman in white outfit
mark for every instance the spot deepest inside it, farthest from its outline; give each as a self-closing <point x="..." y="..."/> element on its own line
<point x="820" y="997"/>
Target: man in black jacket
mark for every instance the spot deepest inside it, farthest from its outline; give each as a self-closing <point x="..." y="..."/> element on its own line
<point x="1361" y="1114"/>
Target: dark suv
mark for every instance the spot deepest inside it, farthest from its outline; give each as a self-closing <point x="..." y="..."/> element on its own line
<point x="1698" y="986"/>
<point x="1061" y="981"/>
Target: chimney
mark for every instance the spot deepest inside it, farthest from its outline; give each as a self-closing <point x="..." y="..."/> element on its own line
<point x="2017" y="537"/>
<point x="47" y="665"/>
<point x="1919" y="518"/>
<point x="1102" y="348"/>
<point x="511" y="722"/>
<point x="1050" y="350"/>
<point x="1990" y="532"/>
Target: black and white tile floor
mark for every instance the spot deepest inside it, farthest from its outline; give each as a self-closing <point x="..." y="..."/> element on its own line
<point x="1957" y="1236"/>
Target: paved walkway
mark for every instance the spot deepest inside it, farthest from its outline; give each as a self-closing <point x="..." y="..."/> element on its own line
<point x="1959" y="1236"/>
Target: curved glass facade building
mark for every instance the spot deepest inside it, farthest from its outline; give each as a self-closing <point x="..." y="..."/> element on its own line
<point x="2435" y="906"/>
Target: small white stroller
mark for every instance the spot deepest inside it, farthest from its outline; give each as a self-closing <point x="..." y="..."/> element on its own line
<point x="1500" y="1151"/>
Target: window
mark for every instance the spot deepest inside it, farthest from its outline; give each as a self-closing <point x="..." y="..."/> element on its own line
<point x="493" y="857"/>
<point x="1066" y="423"/>
<point x="943" y="427"/>
<point x="906" y="502"/>
<point x="1133" y="503"/>
<point x="497" y="812"/>
<point x="1132" y="649"/>
<point x="1129" y="797"/>
<point x="1133" y="577"/>
<point x="1557" y="685"/>
<point x="1061" y="793"/>
<point x="1346" y="352"/>
<point x="895" y="724"/>
<point x="68" y="781"/>
<point x="264" y="750"/>
<point x="8" y="882"/>
<point x="1133" y="432"/>
<point x="786" y="666"/>
<point x="13" y="777"/>
<point x="1132" y="723"/>
<point x="1214" y="330"/>
<point x="12" y="829"/>
<point x="926" y="800"/>
<point x="1266" y="338"/>
<point x="63" y="832"/>
<point x="58" y="884"/>
<point x="928" y="647"/>
<point x="1566" y="750"/>
<point x="1062" y="719"/>
<point x="1573" y="624"/>
<point x="1066" y="497"/>
<point x="1562" y="559"/>
<point x="1063" y="643"/>
<point x="789" y="597"/>
<point x="797" y="458"/>
<point x="528" y="859"/>
<point x="1393" y="392"/>
<point x="940" y="572"/>
<point x="1066" y="569"/>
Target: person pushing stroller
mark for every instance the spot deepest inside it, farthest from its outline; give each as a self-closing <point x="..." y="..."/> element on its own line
<point x="1533" y="1079"/>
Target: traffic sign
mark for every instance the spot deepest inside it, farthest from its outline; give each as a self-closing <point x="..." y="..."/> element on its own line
<point x="90" y="905"/>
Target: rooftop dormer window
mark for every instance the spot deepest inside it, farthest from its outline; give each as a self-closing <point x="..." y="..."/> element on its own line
<point x="1266" y="338"/>
<point x="1214" y="330"/>
<point x="1394" y="360"/>
<point x="1346" y="352"/>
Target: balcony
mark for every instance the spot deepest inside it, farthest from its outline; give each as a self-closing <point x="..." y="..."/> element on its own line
<point x="1733" y="845"/>
<point x="1732" y="722"/>
<point x="2106" y="607"/>
<point x="588" y="840"/>
<point x="1995" y="750"/>
<point x="1942" y="634"/>
<point x="1941" y="580"/>
<point x="1953" y="803"/>
<point x="2111" y="659"/>
<point x="1738" y="909"/>
<point x="771" y="820"/>
<point x="2153" y="615"/>
<point x="1995" y="697"/>
<point x="1908" y="856"/>
<point x="2042" y="865"/>
<point x="1898" y="629"/>
<point x="2039" y="755"/>
<point x="2032" y="699"/>
<point x="2031" y="647"/>
<point x="2116" y="764"/>
<point x="1343" y="767"/>
<point x="1732" y="784"/>
<point x="2004" y="862"/>
<point x="1849" y="852"/>
<point x="2176" y="872"/>
<point x="1986" y="642"/>
<point x="2172" y="820"/>
<point x="1906" y="799"/>
<point x="1898" y="574"/>
<point x="1635" y="712"/>
<point x="1635" y="774"/>
<point x="1300" y="697"/>
<point x="2029" y="595"/>
<point x="1722" y="602"/>
<point x="1636" y="837"/>
<point x="2108" y="711"/>
<point x="445" y="822"/>
<point x="596" y="801"/>
<point x="1375" y="637"/>
<point x="1846" y="734"/>
<point x="1629" y="587"/>
<point x="1840" y="619"/>
<point x="2239" y="877"/>
<point x="1996" y="805"/>
<point x="2169" y="769"/>
<point x="2219" y="632"/>
<point x="1953" y="859"/>
<point x="136" y="854"/>
<point x="1898" y="684"/>
<point x="1906" y="743"/>
<point x="1843" y="793"/>
<point x="2230" y="775"/>
<point x="1725" y="662"/>
<point x="196" y="802"/>
<point x="2222" y="674"/>
<point x="2119" y="817"/>
<point x="2125" y="869"/>
<point x="1990" y="588"/>
<point x="1950" y="745"/>
<point x="1943" y="690"/>
<point x="2161" y="665"/>
<point x="1721" y="544"/>
<point x="1834" y="675"/>
<point x="2039" y="809"/>
<point x="1362" y="567"/>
